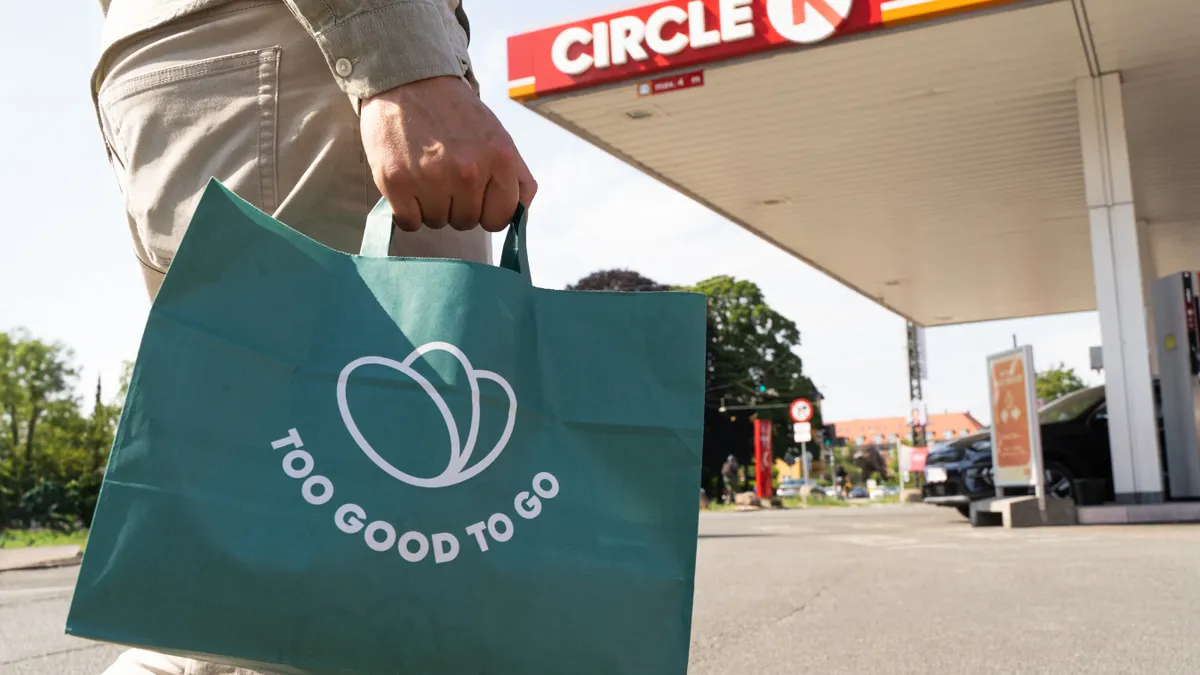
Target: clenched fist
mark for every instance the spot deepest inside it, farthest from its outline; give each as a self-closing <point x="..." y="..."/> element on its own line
<point x="440" y="157"/>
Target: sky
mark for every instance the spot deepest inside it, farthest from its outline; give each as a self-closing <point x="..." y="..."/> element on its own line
<point x="67" y="271"/>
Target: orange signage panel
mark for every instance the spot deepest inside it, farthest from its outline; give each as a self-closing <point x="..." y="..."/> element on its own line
<point x="1016" y="434"/>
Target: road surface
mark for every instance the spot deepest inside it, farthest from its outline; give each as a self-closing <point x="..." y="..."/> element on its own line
<point x="891" y="590"/>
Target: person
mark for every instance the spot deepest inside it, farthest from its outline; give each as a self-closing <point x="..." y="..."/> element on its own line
<point x="309" y="110"/>
<point x="840" y="480"/>
<point x="729" y="477"/>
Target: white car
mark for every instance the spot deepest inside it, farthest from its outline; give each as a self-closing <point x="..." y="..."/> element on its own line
<point x="790" y="487"/>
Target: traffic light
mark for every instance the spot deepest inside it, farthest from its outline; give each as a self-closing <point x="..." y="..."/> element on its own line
<point x="762" y="388"/>
<point x="829" y="434"/>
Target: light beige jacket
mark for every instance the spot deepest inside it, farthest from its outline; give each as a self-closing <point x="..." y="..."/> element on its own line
<point x="370" y="45"/>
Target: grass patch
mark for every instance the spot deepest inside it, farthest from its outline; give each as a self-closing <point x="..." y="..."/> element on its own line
<point x="814" y="502"/>
<point x="30" y="538"/>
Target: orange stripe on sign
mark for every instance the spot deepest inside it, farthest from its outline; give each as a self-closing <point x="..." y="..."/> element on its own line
<point x="896" y="12"/>
<point x="523" y="92"/>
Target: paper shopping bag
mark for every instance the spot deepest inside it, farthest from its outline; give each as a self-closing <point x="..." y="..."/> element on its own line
<point x="387" y="466"/>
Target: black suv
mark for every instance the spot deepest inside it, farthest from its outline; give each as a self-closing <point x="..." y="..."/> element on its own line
<point x="1074" y="446"/>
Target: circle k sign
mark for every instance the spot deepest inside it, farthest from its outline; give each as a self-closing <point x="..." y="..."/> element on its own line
<point x="807" y="21"/>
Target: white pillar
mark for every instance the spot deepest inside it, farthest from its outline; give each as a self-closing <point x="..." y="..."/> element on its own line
<point x="1149" y="276"/>
<point x="1121" y="291"/>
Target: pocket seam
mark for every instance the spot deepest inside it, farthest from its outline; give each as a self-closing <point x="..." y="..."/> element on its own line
<point x="187" y="71"/>
<point x="268" y="146"/>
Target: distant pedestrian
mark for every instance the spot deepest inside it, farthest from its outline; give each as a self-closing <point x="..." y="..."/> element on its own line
<point x="729" y="476"/>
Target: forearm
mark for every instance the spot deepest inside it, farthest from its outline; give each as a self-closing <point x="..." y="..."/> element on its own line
<point x="372" y="46"/>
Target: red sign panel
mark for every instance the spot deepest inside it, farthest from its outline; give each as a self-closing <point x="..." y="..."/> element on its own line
<point x="671" y="35"/>
<point x="677" y="34"/>
<point x="674" y="83"/>
<point x="763" y="460"/>
<point x="916" y="460"/>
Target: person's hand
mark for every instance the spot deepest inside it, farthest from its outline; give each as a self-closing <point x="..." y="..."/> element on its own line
<point x="441" y="157"/>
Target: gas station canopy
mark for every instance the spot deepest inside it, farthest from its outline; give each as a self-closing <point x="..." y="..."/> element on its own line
<point x="926" y="153"/>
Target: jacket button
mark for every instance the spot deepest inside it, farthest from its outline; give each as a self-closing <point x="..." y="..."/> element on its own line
<point x="343" y="67"/>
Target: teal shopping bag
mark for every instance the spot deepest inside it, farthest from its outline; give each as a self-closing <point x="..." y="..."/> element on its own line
<point x="387" y="466"/>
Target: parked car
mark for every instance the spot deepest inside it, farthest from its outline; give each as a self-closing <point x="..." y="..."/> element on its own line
<point x="790" y="487"/>
<point x="1074" y="447"/>
<point x="859" y="493"/>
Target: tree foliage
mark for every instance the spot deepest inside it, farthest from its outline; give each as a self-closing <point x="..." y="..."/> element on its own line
<point x="1056" y="382"/>
<point x="52" y="453"/>
<point x="617" y="280"/>
<point x="750" y="345"/>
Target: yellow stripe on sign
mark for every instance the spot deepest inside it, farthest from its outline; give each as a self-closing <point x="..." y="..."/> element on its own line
<point x="523" y="92"/>
<point x="906" y="11"/>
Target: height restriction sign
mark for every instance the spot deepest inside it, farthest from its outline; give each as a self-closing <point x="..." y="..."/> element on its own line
<point x="801" y="410"/>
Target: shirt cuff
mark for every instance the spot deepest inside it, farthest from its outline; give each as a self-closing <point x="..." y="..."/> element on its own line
<point x="384" y="48"/>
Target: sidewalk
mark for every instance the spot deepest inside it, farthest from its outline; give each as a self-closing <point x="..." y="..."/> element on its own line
<point x="41" y="556"/>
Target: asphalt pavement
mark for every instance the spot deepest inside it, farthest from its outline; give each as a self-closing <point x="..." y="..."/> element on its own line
<point x="867" y="591"/>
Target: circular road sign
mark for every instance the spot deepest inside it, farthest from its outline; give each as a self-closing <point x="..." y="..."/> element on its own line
<point x="801" y="410"/>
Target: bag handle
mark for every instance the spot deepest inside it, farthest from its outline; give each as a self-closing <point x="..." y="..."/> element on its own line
<point x="377" y="238"/>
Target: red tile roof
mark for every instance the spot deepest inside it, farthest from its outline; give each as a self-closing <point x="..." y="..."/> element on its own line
<point x="885" y="427"/>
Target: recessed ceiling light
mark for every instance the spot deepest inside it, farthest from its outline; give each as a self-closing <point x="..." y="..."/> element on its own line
<point x="638" y="114"/>
<point x="892" y="282"/>
<point x="774" y="201"/>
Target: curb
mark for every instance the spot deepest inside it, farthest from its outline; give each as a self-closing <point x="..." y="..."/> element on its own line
<point x="46" y="564"/>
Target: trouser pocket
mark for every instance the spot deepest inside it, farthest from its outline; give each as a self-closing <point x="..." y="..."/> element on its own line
<point x="172" y="129"/>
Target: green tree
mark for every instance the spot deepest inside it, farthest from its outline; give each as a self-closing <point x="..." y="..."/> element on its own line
<point x="751" y="356"/>
<point x="36" y="380"/>
<point x="52" y="454"/>
<point x="617" y="280"/>
<point x="1056" y="382"/>
<point x="751" y="346"/>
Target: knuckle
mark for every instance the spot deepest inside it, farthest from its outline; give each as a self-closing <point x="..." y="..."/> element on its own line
<point x="395" y="175"/>
<point x="467" y="172"/>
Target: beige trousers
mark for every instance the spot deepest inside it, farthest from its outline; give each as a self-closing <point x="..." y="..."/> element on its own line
<point x="242" y="93"/>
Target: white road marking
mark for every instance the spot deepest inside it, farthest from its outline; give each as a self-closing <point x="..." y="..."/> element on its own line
<point x="876" y="540"/>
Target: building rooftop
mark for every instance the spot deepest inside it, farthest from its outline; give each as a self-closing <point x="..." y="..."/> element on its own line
<point x="887" y="430"/>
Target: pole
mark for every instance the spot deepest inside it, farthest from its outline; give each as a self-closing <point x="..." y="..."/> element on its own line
<point x="914" y="381"/>
<point x="804" y="469"/>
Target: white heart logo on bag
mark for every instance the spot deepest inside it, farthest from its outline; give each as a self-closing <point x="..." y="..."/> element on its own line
<point x="380" y="535"/>
<point x="456" y="471"/>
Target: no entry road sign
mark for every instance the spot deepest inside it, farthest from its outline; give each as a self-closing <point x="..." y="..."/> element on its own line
<point x="801" y="410"/>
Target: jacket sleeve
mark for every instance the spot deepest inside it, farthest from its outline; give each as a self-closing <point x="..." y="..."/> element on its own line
<point x="375" y="45"/>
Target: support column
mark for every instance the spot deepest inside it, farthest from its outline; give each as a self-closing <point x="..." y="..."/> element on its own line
<point x="1149" y="276"/>
<point x="1121" y="291"/>
<point x="914" y="379"/>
